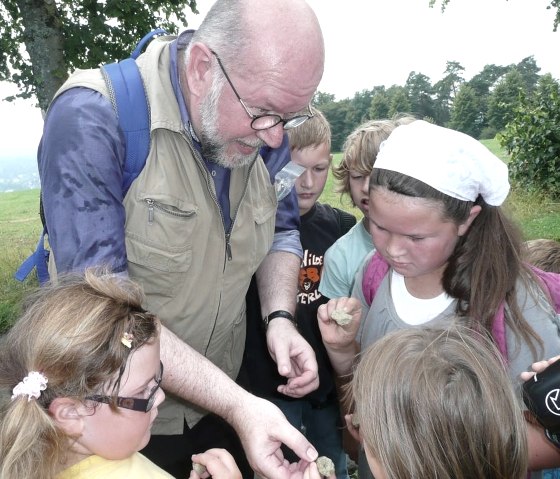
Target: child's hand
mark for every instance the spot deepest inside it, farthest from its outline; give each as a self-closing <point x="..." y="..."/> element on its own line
<point x="538" y="367"/>
<point x="219" y="465"/>
<point x="336" y="336"/>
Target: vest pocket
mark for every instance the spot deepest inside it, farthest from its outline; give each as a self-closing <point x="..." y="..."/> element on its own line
<point x="159" y="243"/>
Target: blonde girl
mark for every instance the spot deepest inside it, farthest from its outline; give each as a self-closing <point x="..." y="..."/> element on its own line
<point x="438" y="403"/>
<point x="80" y="373"/>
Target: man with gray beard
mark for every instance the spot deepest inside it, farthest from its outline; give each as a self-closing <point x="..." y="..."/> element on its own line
<point x="202" y="216"/>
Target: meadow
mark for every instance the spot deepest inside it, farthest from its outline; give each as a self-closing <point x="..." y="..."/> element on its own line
<point x="20" y="227"/>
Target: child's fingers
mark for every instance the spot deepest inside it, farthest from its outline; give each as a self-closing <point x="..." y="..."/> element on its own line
<point x="219" y="464"/>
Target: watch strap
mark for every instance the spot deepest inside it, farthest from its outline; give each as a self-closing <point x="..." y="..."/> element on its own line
<point x="278" y="314"/>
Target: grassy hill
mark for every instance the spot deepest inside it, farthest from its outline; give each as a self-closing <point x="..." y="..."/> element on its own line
<point x="20" y="227"/>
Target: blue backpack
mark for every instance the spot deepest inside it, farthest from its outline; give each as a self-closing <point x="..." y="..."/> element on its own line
<point x="131" y="107"/>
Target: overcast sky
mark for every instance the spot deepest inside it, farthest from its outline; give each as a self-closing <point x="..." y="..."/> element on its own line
<point x="379" y="42"/>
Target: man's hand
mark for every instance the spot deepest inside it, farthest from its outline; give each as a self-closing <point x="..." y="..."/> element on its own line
<point x="294" y="357"/>
<point x="262" y="429"/>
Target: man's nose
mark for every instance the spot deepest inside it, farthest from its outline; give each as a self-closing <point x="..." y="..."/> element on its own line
<point x="272" y="136"/>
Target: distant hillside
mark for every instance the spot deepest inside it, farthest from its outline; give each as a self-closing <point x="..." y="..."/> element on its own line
<point x="18" y="174"/>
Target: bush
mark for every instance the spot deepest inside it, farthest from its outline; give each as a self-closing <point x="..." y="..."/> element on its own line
<point x="488" y="133"/>
<point x="532" y="139"/>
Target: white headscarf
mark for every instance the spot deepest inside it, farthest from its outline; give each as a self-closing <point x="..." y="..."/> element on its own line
<point x="447" y="160"/>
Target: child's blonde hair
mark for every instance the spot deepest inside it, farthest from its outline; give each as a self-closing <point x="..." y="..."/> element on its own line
<point x="543" y="253"/>
<point x="71" y="333"/>
<point x="361" y="147"/>
<point x="314" y="132"/>
<point x="438" y="403"/>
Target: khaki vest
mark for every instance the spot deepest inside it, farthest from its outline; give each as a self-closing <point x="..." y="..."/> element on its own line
<point x="175" y="238"/>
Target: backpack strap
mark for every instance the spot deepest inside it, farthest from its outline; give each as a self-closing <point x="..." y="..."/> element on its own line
<point x="128" y="97"/>
<point x="376" y="270"/>
<point x="551" y="285"/>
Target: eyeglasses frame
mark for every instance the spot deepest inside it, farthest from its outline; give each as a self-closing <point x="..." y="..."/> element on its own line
<point x="134" y="404"/>
<point x="286" y="124"/>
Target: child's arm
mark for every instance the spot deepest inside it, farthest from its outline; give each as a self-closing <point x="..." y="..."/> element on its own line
<point x="219" y="464"/>
<point x="340" y="341"/>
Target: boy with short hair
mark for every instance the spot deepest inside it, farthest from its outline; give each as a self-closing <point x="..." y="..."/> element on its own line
<point x="317" y="414"/>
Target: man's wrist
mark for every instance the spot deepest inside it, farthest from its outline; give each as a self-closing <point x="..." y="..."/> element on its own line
<point x="278" y="314"/>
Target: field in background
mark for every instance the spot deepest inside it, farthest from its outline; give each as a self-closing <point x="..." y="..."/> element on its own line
<point x="20" y="227"/>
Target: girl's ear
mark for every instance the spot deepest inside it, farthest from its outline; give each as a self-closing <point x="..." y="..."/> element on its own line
<point x="199" y="69"/>
<point x="68" y="414"/>
<point x="464" y="227"/>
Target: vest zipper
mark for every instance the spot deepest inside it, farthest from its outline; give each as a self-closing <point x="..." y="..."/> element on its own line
<point x="152" y="204"/>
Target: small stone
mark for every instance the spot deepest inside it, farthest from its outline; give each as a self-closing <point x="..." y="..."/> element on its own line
<point x="341" y="317"/>
<point x="198" y="468"/>
<point x="325" y="466"/>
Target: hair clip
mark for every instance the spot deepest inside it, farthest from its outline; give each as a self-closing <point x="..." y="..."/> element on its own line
<point x="127" y="339"/>
<point x="31" y="386"/>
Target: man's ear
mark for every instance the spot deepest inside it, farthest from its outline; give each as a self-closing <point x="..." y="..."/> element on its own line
<point x="68" y="414"/>
<point x="464" y="227"/>
<point x="199" y="69"/>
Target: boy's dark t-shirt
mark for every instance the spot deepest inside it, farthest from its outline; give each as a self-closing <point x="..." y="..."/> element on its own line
<point x="319" y="229"/>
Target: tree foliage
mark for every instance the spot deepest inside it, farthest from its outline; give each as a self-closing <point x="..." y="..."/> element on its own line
<point x="532" y="138"/>
<point x="62" y="35"/>
<point x="554" y="5"/>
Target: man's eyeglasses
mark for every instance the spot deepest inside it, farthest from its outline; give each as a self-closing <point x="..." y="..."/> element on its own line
<point x="135" y="404"/>
<point x="266" y="121"/>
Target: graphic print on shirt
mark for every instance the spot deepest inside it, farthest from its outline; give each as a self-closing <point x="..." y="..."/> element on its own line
<point x="309" y="278"/>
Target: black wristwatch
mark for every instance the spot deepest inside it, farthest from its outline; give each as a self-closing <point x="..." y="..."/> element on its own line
<point x="278" y="314"/>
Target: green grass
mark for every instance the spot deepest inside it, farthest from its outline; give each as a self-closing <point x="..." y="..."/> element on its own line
<point x="20" y="227"/>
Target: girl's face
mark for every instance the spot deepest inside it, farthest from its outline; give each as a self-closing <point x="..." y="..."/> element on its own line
<point x="118" y="434"/>
<point x="411" y="234"/>
<point x="374" y="465"/>
<point x="310" y="184"/>
<point x="359" y="186"/>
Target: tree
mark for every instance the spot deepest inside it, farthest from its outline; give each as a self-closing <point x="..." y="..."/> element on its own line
<point x="399" y="101"/>
<point x="465" y="114"/>
<point x="321" y="98"/>
<point x="554" y="4"/>
<point x="359" y="107"/>
<point x="62" y="35"/>
<point x="504" y="99"/>
<point x="529" y="72"/>
<point x="446" y="90"/>
<point x="379" y="107"/>
<point x="532" y="138"/>
<point x="419" y="91"/>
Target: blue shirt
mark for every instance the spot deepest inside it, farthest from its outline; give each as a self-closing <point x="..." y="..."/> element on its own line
<point x="81" y="158"/>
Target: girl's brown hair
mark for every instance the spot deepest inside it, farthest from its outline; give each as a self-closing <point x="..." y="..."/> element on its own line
<point x="71" y="332"/>
<point x="438" y="403"/>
